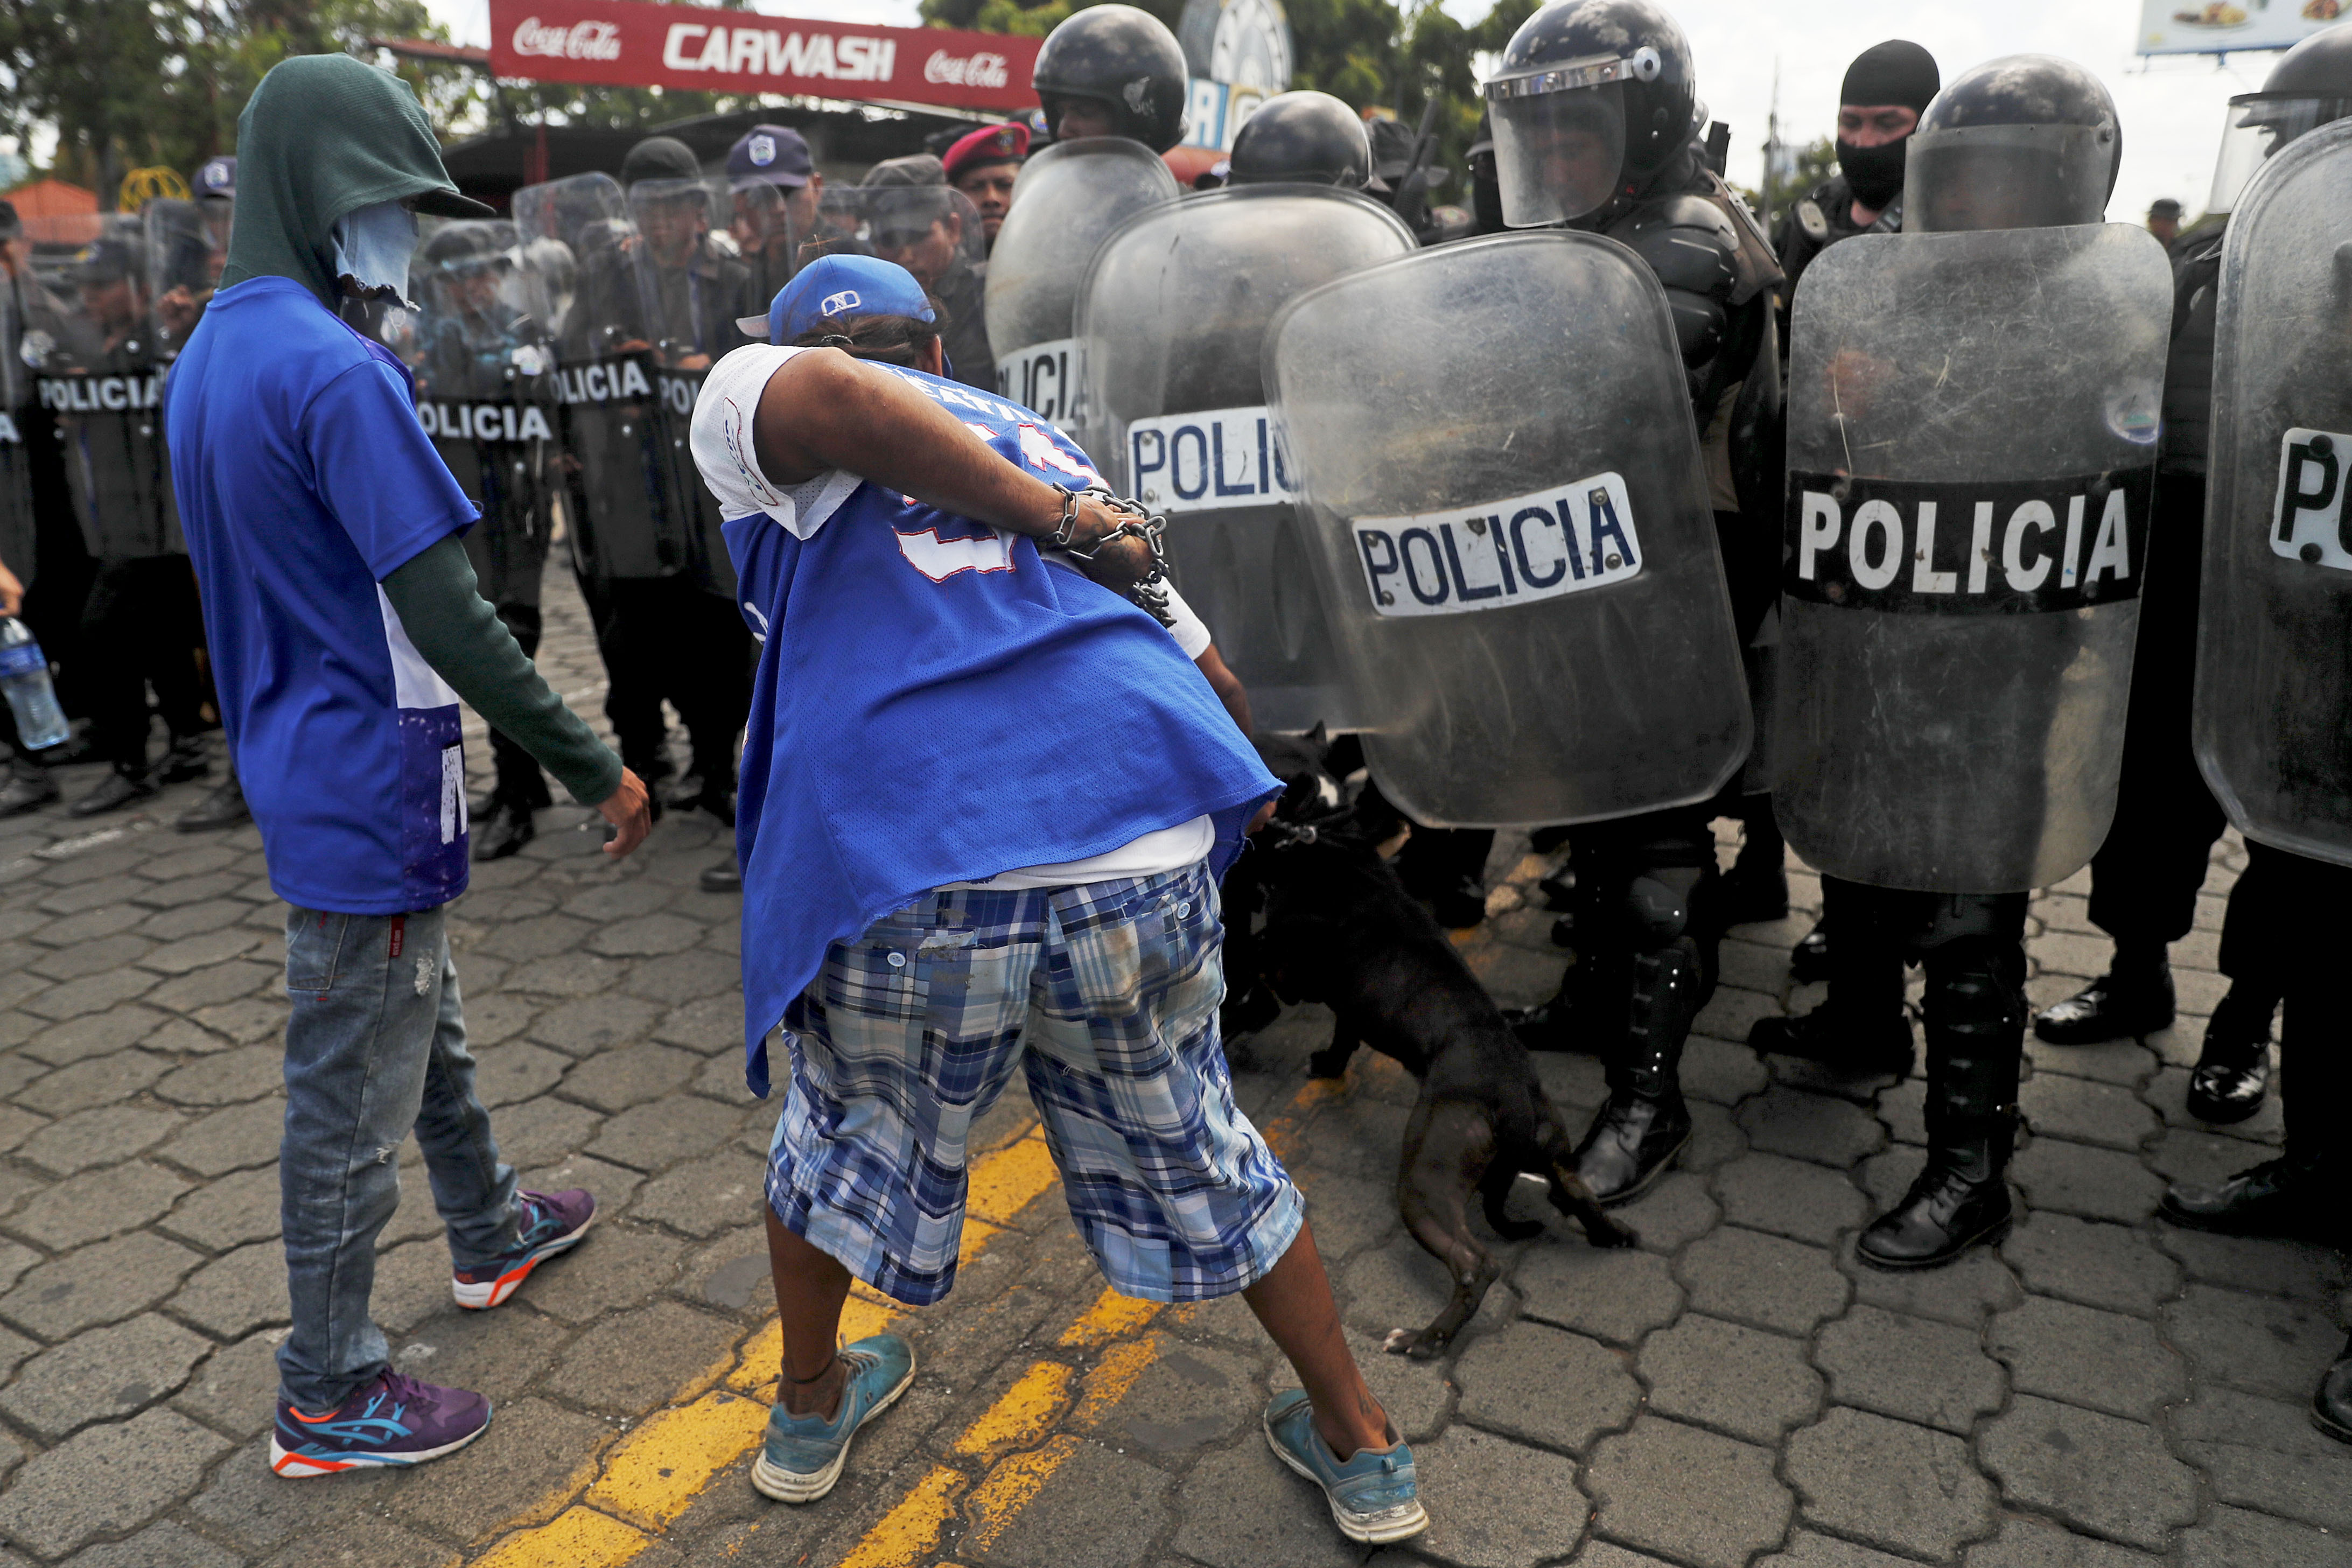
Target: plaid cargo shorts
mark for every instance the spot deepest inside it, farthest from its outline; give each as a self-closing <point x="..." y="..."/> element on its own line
<point x="1106" y="995"/>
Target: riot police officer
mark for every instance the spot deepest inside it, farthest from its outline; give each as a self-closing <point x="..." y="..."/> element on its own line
<point x="102" y="380"/>
<point x="661" y="635"/>
<point x="1303" y="137"/>
<point x="922" y="223"/>
<point x="480" y="360"/>
<point x="985" y="165"/>
<point x="1886" y="88"/>
<point x="774" y="188"/>
<point x="2143" y="883"/>
<point x="2273" y="677"/>
<point x="1895" y="770"/>
<point x="1113" y="71"/>
<point x="1596" y="117"/>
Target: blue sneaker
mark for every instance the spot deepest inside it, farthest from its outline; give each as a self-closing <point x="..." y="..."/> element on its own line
<point x="802" y="1455"/>
<point x="1372" y="1495"/>
<point x="551" y="1223"/>
<point x="394" y="1420"/>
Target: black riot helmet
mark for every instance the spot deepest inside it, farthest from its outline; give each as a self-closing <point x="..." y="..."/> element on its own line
<point x="1310" y="138"/>
<point x="1592" y="98"/>
<point x="2022" y="141"/>
<point x="1123" y="58"/>
<point x="2311" y="85"/>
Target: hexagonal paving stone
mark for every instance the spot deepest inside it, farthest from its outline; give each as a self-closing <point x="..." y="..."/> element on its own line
<point x="1930" y="1372"/>
<point x="105" y="1374"/>
<point x="1616" y="1296"/>
<point x="2258" y="1343"/>
<point x="1768" y="1280"/>
<point x="2099" y="1265"/>
<point x="2110" y="1476"/>
<point x="1909" y="1489"/>
<point x="101" y="1135"/>
<point x="1815" y="1127"/>
<point x="101" y="1284"/>
<point x="1687" y="1495"/>
<point x="1478" y="1483"/>
<point x="2084" y="1356"/>
<point x="106" y="1480"/>
<point x="97" y="1205"/>
<point x="1535" y="1383"/>
<point x="1788" y="1197"/>
<point x="1743" y="1381"/>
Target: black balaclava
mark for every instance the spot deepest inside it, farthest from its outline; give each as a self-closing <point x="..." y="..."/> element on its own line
<point x="1896" y="71"/>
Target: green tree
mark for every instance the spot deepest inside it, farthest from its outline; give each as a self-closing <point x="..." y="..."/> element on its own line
<point x="128" y="83"/>
<point x="1792" y="176"/>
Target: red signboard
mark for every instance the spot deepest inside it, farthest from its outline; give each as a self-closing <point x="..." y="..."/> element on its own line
<point x="622" y="43"/>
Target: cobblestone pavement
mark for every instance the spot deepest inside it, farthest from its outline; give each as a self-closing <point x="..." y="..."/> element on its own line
<point x="2103" y="1392"/>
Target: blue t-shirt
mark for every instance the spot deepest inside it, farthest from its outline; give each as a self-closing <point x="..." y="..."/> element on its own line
<point x="935" y="703"/>
<point x="304" y="480"/>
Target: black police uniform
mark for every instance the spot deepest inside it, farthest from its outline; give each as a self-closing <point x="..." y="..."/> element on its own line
<point x="1648" y="908"/>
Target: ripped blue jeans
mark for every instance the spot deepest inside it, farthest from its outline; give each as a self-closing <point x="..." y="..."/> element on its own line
<point x="375" y="1048"/>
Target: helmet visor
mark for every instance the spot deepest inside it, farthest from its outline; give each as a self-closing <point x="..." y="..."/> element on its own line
<point x="2008" y="176"/>
<point x="2259" y="124"/>
<point x="1558" y="154"/>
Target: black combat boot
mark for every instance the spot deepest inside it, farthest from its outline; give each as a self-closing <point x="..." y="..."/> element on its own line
<point x="1857" y="1042"/>
<point x="1962" y="1197"/>
<point x="1637" y="1135"/>
<point x="724" y="878"/>
<point x="2292" y="1195"/>
<point x="224" y="808"/>
<point x="187" y="759"/>
<point x="1756" y="889"/>
<point x="501" y="828"/>
<point x="2232" y="1075"/>
<point x="2133" y="998"/>
<point x="30" y="786"/>
<point x="119" y="788"/>
<point x="2331" y="1407"/>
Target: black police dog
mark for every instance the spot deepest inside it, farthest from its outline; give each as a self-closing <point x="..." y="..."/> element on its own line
<point x="1342" y="929"/>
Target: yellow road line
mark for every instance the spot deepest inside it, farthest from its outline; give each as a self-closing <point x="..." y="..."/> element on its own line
<point x="656" y="1472"/>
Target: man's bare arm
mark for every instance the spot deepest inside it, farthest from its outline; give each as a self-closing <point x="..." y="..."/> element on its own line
<point x="823" y="410"/>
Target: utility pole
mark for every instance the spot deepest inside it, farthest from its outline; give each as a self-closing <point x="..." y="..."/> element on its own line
<point x="1771" y="147"/>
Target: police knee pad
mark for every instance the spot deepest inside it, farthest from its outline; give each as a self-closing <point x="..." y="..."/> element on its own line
<point x="1656" y="908"/>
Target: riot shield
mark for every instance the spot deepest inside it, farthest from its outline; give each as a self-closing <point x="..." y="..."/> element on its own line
<point x="1067" y="199"/>
<point x="1171" y="321"/>
<point x="1972" y="426"/>
<point x="697" y="287"/>
<point x="99" y="370"/>
<point x="2273" y="705"/>
<point x="612" y="467"/>
<point x="1508" y="516"/>
<point x="762" y="221"/>
<point x="932" y="231"/>
<point x="187" y="246"/>
<point x="17" y="529"/>
<point x="484" y="365"/>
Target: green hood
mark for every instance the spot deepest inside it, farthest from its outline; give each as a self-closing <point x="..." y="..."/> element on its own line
<point x="324" y="135"/>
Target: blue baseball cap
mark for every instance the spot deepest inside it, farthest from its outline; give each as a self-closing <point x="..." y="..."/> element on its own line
<point x="837" y="288"/>
<point x="769" y="155"/>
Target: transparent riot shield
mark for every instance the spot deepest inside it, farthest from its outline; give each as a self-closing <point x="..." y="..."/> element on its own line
<point x="768" y="225"/>
<point x="932" y="231"/>
<point x="697" y="287"/>
<point x="484" y="363"/>
<point x="2273" y="705"/>
<point x="1972" y="426"/>
<point x="577" y="244"/>
<point x="1067" y="199"/>
<point x="187" y="246"/>
<point x="1171" y="321"/>
<point x="1508" y="520"/>
<point x="17" y="529"/>
<point x="99" y="370"/>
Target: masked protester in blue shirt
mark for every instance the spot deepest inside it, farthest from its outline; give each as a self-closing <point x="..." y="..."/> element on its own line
<point x="344" y="628"/>
<point x="985" y="801"/>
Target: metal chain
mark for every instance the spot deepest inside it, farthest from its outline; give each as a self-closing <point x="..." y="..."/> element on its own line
<point x="1151" y="592"/>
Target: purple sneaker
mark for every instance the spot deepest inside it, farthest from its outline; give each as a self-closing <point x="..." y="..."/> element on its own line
<point x="551" y="1223"/>
<point x="394" y="1420"/>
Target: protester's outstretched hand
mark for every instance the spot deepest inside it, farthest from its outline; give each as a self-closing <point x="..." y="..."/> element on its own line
<point x="628" y="810"/>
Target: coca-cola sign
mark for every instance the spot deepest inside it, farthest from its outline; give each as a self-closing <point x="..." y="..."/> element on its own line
<point x="580" y="41"/>
<point x="965" y="70"/>
<point x="627" y="42"/>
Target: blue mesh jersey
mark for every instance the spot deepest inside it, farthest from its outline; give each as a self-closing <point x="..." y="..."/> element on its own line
<point x="304" y="480"/>
<point x="935" y="702"/>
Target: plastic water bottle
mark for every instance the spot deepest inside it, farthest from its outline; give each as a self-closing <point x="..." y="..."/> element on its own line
<point x="25" y="676"/>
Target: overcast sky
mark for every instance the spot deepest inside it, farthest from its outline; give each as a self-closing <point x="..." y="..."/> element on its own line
<point x="2172" y="107"/>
